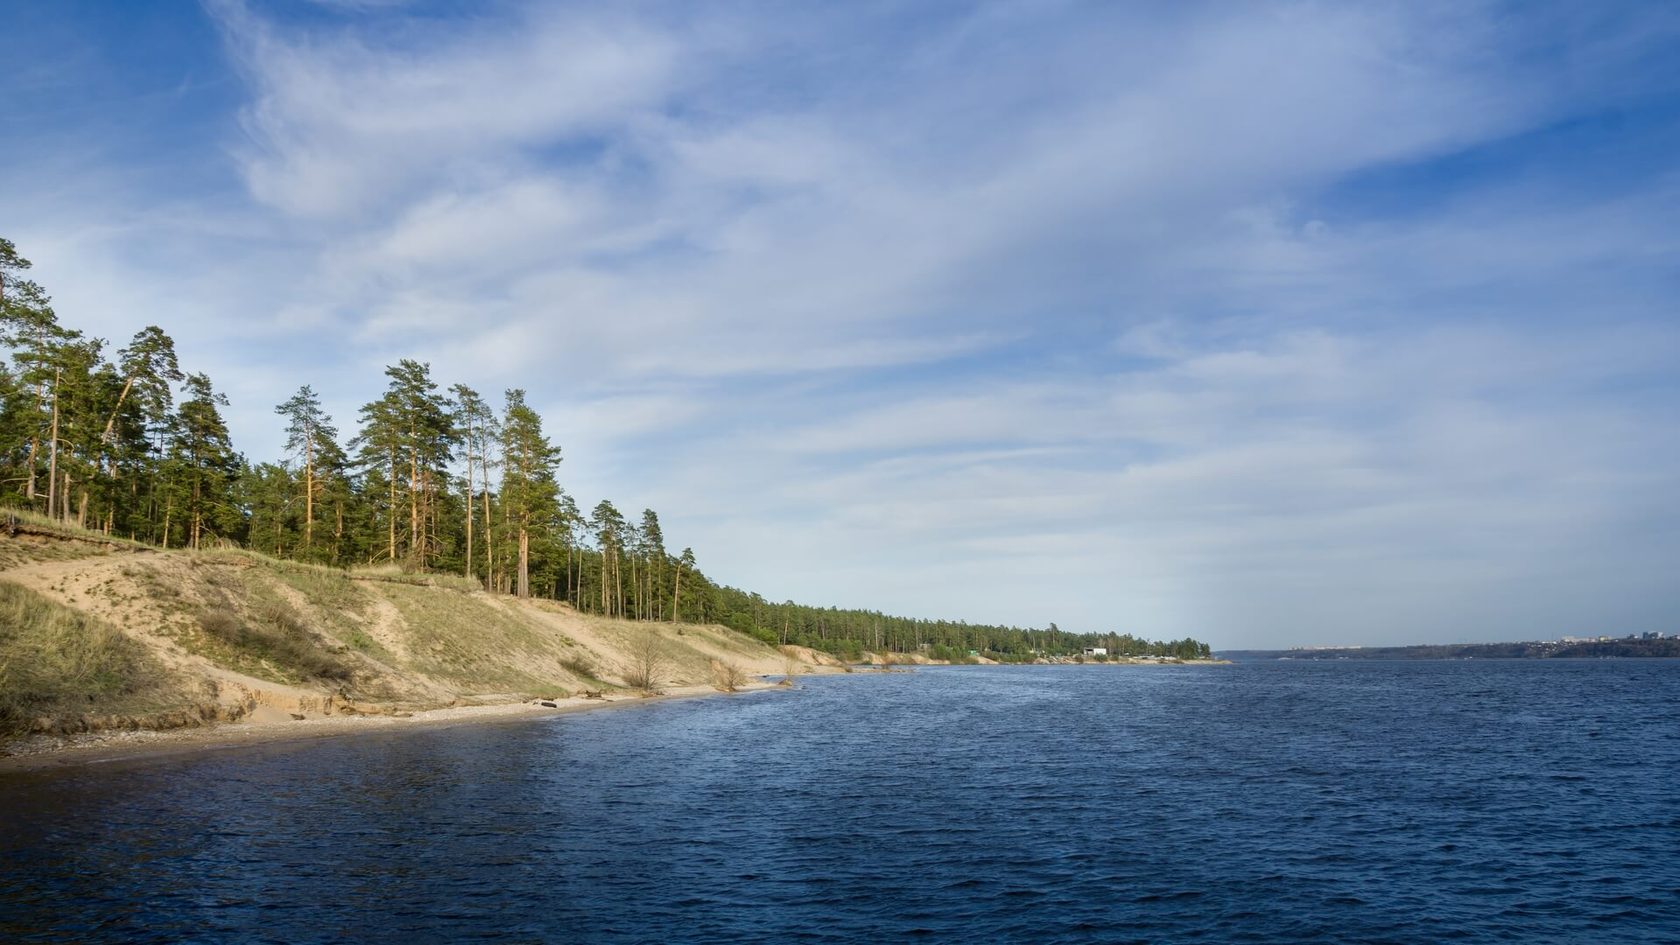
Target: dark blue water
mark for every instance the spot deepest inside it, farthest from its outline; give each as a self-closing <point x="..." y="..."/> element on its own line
<point x="1292" y="802"/>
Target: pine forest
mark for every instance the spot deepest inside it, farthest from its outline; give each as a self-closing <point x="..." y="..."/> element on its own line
<point x="126" y="441"/>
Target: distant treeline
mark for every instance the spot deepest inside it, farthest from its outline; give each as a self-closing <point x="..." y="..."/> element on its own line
<point x="431" y="479"/>
<point x="852" y="631"/>
<point x="1599" y="649"/>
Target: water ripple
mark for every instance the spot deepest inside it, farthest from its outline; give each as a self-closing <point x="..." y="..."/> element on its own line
<point x="1266" y="803"/>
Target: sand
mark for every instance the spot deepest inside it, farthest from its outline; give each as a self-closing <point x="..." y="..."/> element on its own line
<point x="44" y="752"/>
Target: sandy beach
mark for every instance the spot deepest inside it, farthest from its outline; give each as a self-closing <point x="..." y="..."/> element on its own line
<point x="45" y="752"/>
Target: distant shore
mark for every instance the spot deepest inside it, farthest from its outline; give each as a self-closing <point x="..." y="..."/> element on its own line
<point x="1666" y="646"/>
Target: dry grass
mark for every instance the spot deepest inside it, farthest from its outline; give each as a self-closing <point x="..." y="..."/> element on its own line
<point x="581" y="666"/>
<point x="469" y="642"/>
<point x="393" y="574"/>
<point x="365" y="633"/>
<point x="277" y="635"/>
<point x="55" y="661"/>
<point x="42" y="523"/>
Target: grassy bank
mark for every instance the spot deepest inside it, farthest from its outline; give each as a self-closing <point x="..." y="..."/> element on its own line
<point x="57" y="662"/>
<point x="100" y="632"/>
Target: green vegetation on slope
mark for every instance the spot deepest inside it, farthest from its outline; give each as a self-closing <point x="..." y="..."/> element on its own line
<point x="55" y="661"/>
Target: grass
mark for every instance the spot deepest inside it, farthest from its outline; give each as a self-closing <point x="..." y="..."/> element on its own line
<point x="303" y="623"/>
<point x="396" y="575"/>
<point x="55" y="661"/>
<point x="277" y="635"/>
<point x="327" y="589"/>
<point x="584" y="669"/>
<point x="38" y="522"/>
<point x="468" y="641"/>
<point x="223" y="550"/>
<point x="384" y="573"/>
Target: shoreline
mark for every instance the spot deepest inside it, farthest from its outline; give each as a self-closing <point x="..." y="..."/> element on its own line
<point x="36" y="753"/>
<point x="58" y="752"/>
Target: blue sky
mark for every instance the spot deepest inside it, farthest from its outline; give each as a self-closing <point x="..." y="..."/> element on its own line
<point x="1271" y="324"/>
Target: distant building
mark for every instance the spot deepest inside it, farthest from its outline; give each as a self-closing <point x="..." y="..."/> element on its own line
<point x="1096" y="651"/>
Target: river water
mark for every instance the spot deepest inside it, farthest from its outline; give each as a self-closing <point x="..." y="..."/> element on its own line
<point x="1262" y="802"/>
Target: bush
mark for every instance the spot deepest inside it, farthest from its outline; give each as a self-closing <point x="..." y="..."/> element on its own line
<point x="648" y="658"/>
<point x="727" y="677"/>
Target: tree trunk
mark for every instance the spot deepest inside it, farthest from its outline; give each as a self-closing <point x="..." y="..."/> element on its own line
<point x="489" y="540"/>
<point x="676" y="595"/>
<point x="111" y="424"/>
<point x="391" y="513"/>
<point x="308" y="492"/>
<point x="470" y="498"/>
<point x="524" y="563"/>
<point x="52" y="453"/>
<point x="192" y="531"/>
<point x="413" y="495"/>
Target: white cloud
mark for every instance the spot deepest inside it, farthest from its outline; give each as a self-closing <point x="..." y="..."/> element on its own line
<point x="1048" y="312"/>
<point x="340" y="122"/>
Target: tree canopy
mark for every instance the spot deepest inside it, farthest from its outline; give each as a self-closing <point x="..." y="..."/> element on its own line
<point x="131" y="444"/>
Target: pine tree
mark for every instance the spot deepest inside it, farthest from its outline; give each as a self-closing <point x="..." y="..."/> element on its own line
<point x="148" y="367"/>
<point x="408" y="435"/>
<point x="476" y="429"/>
<point x="609" y="528"/>
<point x="653" y="570"/>
<point x="309" y="436"/>
<point x="29" y="326"/>
<point x="202" y="462"/>
<point x="529" y="491"/>
<point x="685" y="563"/>
<point x="567" y="522"/>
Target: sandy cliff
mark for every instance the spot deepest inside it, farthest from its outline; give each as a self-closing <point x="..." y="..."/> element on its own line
<point x="108" y="635"/>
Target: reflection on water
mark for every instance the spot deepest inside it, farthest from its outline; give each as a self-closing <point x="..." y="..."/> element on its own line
<point x="1264" y="802"/>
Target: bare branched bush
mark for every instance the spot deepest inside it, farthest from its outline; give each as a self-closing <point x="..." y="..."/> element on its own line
<point x="648" y="661"/>
<point x="727" y="677"/>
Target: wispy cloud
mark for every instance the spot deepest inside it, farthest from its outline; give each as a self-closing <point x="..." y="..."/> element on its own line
<point x="1265" y="323"/>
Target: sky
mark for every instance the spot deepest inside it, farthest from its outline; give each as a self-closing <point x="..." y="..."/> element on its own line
<point x="1271" y="324"/>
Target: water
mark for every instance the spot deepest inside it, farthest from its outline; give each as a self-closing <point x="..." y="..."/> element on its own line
<point x="1267" y="802"/>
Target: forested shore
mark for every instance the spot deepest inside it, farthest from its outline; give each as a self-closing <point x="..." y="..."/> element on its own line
<point x="125" y="441"/>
